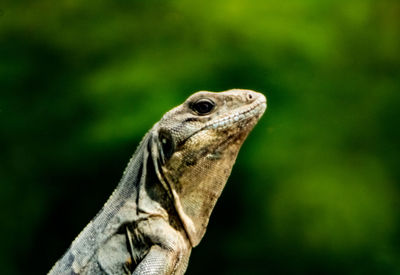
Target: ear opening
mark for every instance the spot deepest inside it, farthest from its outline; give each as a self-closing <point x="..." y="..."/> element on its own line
<point x="166" y="145"/>
<point x="159" y="158"/>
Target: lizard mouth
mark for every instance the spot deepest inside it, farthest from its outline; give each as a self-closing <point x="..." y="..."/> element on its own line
<point x="251" y="112"/>
<point x="256" y="109"/>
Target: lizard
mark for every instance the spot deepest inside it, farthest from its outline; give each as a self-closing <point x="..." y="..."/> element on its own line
<point x="161" y="207"/>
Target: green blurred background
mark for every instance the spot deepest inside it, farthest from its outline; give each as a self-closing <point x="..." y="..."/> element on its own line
<point x="316" y="186"/>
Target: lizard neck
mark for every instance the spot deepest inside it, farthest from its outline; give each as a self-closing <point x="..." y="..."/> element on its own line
<point x="104" y="225"/>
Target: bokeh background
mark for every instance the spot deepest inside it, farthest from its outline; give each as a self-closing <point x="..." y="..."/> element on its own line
<point x="316" y="186"/>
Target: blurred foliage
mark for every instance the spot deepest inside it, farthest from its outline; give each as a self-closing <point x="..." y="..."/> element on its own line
<point x="316" y="187"/>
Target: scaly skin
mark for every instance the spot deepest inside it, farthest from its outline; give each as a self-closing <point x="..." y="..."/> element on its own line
<point x="161" y="207"/>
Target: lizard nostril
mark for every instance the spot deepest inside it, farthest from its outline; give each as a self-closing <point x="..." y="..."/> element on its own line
<point x="250" y="96"/>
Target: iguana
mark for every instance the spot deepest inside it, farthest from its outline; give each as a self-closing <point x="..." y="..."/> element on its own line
<point x="161" y="207"/>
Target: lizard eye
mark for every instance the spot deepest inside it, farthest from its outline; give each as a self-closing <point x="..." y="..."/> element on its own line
<point x="203" y="106"/>
<point x="167" y="144"/>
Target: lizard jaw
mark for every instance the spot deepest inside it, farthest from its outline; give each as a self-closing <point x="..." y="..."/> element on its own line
<point x="257" y="108"/>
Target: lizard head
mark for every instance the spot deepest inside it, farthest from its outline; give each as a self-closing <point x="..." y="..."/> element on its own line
<point x="195" y="146"/>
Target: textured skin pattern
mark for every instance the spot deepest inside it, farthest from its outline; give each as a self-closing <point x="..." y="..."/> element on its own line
<point x="161" y="207"/>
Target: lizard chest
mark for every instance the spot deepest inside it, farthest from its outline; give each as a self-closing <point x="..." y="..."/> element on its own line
<point x="120" y="254"/>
